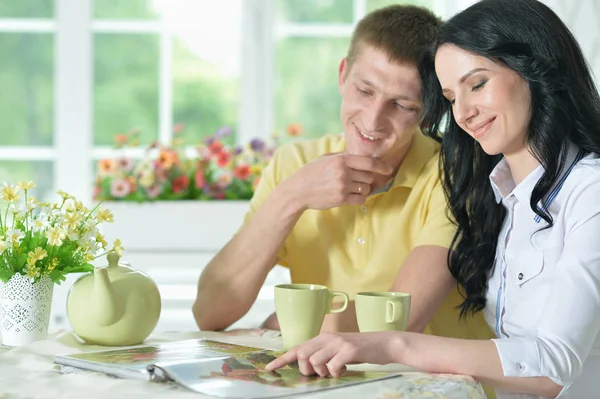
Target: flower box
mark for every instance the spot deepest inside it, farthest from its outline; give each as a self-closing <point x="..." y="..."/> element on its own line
<point x="186" y="226"/>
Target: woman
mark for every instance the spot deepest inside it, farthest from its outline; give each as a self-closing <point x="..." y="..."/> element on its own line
<point x="523" y="180"/>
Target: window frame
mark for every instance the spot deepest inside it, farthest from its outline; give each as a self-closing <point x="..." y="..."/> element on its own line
<point x="74" y="27"/>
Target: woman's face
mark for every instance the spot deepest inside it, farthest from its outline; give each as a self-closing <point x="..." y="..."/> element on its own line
<point x="490" y="102"/>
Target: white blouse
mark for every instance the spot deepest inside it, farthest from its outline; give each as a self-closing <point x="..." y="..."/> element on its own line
<point x="543" y="298"/>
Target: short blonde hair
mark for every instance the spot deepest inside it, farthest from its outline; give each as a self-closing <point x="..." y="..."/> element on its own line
<point x="402" y="31"/>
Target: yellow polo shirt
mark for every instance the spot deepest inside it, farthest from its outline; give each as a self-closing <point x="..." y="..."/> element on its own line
<point x="360" y="248"/>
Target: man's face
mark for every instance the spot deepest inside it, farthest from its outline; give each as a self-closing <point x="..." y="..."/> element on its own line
<point x="381" y="104"/>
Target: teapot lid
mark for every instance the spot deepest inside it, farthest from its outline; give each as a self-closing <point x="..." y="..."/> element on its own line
<point x="113" y="259"/>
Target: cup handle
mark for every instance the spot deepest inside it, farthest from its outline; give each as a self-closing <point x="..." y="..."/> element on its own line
<point x="393" y="311"/>
<point x="333" y="294"/>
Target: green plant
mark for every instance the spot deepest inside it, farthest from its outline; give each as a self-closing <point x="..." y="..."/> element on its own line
<point x="39" y="238"/>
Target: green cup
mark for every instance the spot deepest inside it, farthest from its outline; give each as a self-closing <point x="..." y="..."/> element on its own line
<point x="382" y="311"/>
<point x="301" y="309"/>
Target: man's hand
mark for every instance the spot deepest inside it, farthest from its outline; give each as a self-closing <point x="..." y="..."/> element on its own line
<point x="329" y="353"/>
<point x="334" y="180"/>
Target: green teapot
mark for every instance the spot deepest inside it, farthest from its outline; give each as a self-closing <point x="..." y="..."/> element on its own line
<point x="114" y="306"/>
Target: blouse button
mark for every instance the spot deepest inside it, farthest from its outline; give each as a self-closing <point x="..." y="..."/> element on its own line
<point x="520" y="276"/>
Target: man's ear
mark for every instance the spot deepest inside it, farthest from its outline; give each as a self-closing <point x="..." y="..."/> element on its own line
<point x="343" y="72"/>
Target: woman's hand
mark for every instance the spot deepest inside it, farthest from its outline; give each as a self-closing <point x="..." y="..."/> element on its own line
<point x="329" y="353"/>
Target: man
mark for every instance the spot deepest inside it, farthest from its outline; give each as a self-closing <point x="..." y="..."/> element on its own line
<point x="362" y="212"/>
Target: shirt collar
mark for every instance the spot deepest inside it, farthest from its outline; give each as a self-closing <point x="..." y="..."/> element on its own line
<point x="504" y="186"/>
<point x="419" y="154"/>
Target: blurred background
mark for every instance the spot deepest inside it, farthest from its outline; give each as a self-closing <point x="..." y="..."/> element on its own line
<point x="77" y="74"/>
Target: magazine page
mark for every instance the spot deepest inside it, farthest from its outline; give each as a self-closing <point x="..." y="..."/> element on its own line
<point x="244" y="376"/>
<point x="132" y="362"/>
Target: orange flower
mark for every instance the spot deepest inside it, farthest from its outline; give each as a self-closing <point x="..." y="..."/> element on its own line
<point x="166" y="159"/>
<point x="180" y="184"/>
<point x="121" y="139"/>
<point x="223" y="159"/>
<point x="132" y="183"/>
<point x="106" y="166"/>
<point x="295" y="129"/>
<point x="242" y="172"/>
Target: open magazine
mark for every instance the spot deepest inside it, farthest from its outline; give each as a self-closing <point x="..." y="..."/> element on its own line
<point x="212" y="368"/>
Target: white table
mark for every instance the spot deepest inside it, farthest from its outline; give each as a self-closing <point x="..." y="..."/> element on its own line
<point x="29" y="372"/>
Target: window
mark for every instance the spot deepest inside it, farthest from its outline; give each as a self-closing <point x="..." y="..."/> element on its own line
<point x="157" y="63"/>
<point x="76" y="73"/>
<point x="312" y="37"/>
<point x="27" y="47"/>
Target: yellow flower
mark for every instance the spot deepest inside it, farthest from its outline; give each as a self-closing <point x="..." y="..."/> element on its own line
<point x="9" y="193"/>
<point x="38" y="254"/>
<point x="100" y="240"/>
<point x="25" y="186"/>
<point x="256" y="170"/>
<point x="55" y="236"/>
<point x="146" y="178"/>
<point x="105" y="215"/>
<point x="52" y="265"/>
<point x="118" y="248"/>
<point x="63" y="194"/>
<point x="79" y="207"/>
<point x="89" y="258"/>
<point x="3" y="246"/>
<point x="72" y="219"/>
<point x="31" y="262"/>
<point x="33" y="272"/>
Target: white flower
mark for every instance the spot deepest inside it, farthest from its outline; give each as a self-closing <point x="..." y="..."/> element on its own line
<point x="93" y="248"/>
<point x="55" y="236"/>
<point x="39" y="225"/>
<point x="73" y="234"/>
<point x="83" y="241"/>
<point x="18" y="212"/>
<point x="69" y="205"/>
<point x="3" y="246"/>
<point x="14" y="235"/>
<point x="32" y="202"/>
<point x="90" y="229"/>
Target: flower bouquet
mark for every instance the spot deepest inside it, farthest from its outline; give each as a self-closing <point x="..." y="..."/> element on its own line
<point x="40" y="243"/>
<point x="210" y="170"/>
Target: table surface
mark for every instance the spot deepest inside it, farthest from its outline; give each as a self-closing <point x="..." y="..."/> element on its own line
<point x="29" y="372"/>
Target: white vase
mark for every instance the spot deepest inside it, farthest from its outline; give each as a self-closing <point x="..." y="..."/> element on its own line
<point x="25" y="309"/>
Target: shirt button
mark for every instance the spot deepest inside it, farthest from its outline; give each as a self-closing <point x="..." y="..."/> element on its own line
<point x="520" y="276"/>
<point x="360" y="240"/>
<point x="363" y="209"/>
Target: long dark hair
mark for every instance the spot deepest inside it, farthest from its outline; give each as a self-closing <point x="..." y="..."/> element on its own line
<point x="529" y="38"/>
